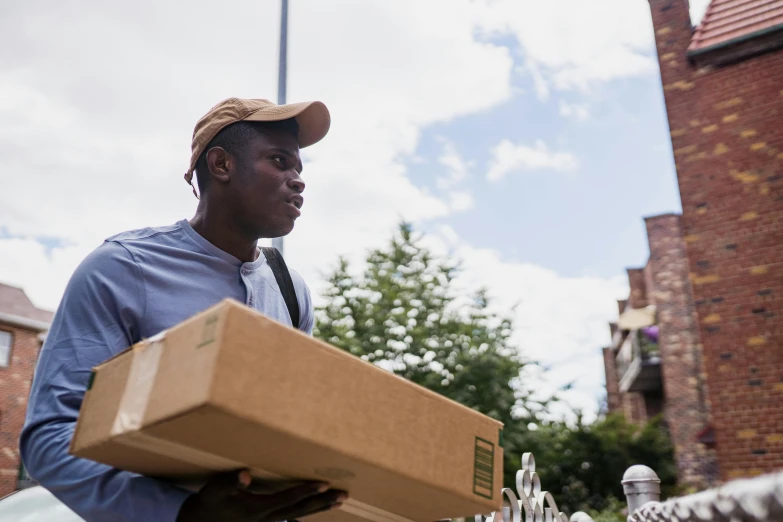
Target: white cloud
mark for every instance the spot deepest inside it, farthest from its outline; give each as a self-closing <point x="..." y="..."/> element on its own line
<point x="570" y="44"/>
<point x="579" y="112"/>
<point x="509" y="157"/>
<point x="453" y="160"/>
<point x="539" y="82"/>
<point x="461" y="200"/>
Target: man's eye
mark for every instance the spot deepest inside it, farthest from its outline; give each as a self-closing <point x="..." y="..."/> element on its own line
<point x="279" y="160"/>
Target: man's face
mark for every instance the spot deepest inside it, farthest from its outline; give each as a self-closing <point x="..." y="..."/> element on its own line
<point x="266" y="189"/>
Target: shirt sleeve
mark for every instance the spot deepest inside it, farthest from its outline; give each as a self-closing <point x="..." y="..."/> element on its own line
<point x="98" y="317"/>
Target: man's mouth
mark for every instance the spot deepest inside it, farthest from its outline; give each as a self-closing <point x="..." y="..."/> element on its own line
<point x="296" y="202"/>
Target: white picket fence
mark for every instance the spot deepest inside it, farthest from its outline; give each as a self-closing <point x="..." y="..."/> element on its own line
<point x="757" y="499"/>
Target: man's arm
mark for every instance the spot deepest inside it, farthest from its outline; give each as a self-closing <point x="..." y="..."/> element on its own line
<point x="97" y="317"/>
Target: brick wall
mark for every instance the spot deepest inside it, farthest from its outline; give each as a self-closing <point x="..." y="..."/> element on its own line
<point x="649" y="282"/>
<point x="14" y="388"/>
<point x="634" y="407"/>
<point x="685" y="408"/>
<point x="614" y="400"/>
<point x="727" y="137"/>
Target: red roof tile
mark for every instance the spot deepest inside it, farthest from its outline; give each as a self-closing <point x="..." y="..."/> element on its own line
<point x="728" y="20"/>
<point x="14" y="301"/>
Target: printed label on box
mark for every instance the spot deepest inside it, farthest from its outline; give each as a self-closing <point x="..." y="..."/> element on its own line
<point x="484" y="468"/>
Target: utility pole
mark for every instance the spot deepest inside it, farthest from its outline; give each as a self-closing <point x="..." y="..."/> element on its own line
<point x="282" y="74"/>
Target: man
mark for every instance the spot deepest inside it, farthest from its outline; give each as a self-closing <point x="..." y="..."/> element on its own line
<point x="245" y="154"/>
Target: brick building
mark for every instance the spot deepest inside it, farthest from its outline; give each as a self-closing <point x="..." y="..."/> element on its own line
<point x="22" y="329"/>
<point x="654" y="363"/>
<point x="723" y="87"/>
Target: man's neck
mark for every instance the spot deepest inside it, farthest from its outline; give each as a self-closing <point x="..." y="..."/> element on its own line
<point x="220" y="232"/>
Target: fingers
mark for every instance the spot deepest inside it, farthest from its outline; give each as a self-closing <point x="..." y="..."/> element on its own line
<point x="222" y="486"/>
<point x="287" y="498"/>
<point x="238" y="492"/>
<point x="271" y="487"/>
<point x="309" y="506"/>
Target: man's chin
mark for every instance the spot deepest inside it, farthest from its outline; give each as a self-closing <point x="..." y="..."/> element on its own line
<point x="280" y="227"/>
<point x="284" y="228"/>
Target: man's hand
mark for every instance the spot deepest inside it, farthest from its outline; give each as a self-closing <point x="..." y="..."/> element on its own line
<point x="235" y="497"/>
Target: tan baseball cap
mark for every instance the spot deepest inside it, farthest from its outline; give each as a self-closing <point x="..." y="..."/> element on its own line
<point x="313" y="119"/>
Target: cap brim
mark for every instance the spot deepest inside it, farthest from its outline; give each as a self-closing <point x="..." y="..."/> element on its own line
<point x="313" y="119"/>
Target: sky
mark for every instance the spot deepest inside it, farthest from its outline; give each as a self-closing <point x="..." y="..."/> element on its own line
<point x="526" y="138"/>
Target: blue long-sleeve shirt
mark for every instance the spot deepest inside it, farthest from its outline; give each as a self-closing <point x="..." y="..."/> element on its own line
<point x="132" y="287"/>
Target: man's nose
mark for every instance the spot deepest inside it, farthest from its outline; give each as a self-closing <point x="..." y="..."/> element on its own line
<point x="296" y="183"/>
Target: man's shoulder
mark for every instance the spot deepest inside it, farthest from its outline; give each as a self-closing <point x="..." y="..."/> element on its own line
<point x="122" y="249"/>
<point x="300" y="285"/>
<point x="109" y="263"/>
<point x="305" y="302"/>
<point x="144" y="235"/>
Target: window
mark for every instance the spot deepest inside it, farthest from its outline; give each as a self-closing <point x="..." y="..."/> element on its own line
<point x="5" y="348"/>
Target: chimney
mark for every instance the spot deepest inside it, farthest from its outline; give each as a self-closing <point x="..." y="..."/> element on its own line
<point x="638" y="297"/>
<point x="671" y="20"/>
<point x="673" y="31"/>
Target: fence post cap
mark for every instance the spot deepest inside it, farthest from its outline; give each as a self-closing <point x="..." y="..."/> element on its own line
<point x="581" y="516"/>
<point x="642" y="484"/>
<point x="640" y="473"/>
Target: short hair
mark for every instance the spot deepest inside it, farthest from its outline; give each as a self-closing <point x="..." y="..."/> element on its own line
<point x="234" y="139"/>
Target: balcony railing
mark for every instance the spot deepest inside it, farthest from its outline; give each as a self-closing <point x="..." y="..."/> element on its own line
<point x="638" y="363"/>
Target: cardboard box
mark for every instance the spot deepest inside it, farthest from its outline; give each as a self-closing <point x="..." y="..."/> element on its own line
<point x="231" y="388"/>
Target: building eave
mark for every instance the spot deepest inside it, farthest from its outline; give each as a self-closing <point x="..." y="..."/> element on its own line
<point x="24" y="322"/>
<point x="693" y="53"/>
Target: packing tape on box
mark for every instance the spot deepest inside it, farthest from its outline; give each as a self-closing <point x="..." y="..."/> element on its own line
<point x="141" y="377"/>
<point x="130" y="417"/>
<point x="212" y="463"/>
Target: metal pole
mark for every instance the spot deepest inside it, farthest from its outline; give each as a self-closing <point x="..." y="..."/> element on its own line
<point x="282" y="72"/>
<point x="641" y="485"/>
<point x="282" y="76"/>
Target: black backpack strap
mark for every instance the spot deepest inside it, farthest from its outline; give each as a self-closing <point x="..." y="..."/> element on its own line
<point x="284" y="282"/>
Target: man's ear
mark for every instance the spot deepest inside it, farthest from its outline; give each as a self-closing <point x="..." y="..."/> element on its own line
<point x="220" y="164"/>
